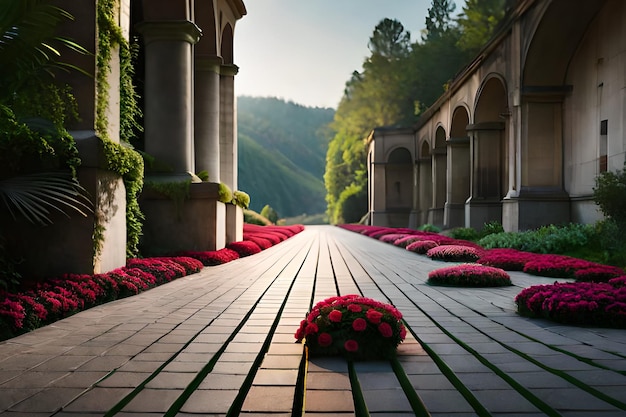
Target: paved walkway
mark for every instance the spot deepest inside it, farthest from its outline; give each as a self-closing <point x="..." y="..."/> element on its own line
<point x="220" y="343"/>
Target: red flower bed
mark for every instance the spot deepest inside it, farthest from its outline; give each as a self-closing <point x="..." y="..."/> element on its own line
<point x="407" y="240"/>
<point x="560" y="266"/>
<point x="244" y="248"/>
<point x="352" y="326"/>
<point x="45" y="302"/>
<point x="214" y="257"/>
<point x="505" y="258"/>
<point x="580" y="303"/>
<point x="392" y="237"/>
<point x="421" y="246"/>
<point x="453" y="253"/>
<point x="469" y="275"/>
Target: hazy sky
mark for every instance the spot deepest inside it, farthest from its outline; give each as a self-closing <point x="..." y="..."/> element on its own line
<point x="305" y="50"/>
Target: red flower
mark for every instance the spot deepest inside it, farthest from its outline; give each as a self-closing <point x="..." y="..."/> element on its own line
<point x="311" y="328"/>
<point x="354" y="308"/>
<point x="402" y="332"/>
<point x="385" y="329"/>
<point x="324" y="339"/>
<point x="359" y="324"/>
<point x="335" y="316"/>
<point x="374" y="316"/>
<point x="351" y="345"/>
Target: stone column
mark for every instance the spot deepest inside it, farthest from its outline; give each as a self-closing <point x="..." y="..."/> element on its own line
<point x="228" y="149"/>
<point x="425" y="188"/>
<point x="207" y="116"/>
<point x="458" y="182"/>
<point x="168" y="90"/>
<point x="436" y="211"/>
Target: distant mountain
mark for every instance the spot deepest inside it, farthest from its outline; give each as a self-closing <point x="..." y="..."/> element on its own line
<point x="282" y="154"/>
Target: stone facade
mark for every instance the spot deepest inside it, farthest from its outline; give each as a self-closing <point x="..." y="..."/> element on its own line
<point x="189" y="125"/>
<point x="523" y="130"/>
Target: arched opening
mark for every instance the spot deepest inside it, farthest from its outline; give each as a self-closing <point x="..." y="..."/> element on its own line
<point x="487" y="154"/>
<point x="458" y="176"/>
<point x="399" y="180"/>
<point x="440" y="162"/>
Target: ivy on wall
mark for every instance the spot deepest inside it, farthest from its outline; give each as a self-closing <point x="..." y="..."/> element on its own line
<point x="121" y="158"/>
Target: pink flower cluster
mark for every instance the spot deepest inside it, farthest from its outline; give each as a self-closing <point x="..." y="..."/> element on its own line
<point x="469" y="275"/>
<point x="402" y="237"/>
<point x="421" y="246"/>
<point x="47" y="301"/>
<point x="506" y="258"/>
<point x="580" y="303"/>
<point x="453" y="253"/>
<point x="352" y="326"/>
<point x="255" y="239"/>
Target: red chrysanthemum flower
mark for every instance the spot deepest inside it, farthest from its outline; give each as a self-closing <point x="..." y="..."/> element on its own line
<point x="385" y="329"/>
<point x="351" y="345"/>
<point x="335" y="316"/>
<point x="359" y="324"/>
<point x="374" y="316"/>
<point x="324" y="340"/>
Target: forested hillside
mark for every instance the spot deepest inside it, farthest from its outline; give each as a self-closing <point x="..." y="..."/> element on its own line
<point x="282" y="151"/>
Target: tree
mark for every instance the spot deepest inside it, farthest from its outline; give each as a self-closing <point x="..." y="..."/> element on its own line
<point x="479" y="21"/>
<point x="390" y="40"/>
<point x="438" y="19"/>
<point x="377" y="96"/>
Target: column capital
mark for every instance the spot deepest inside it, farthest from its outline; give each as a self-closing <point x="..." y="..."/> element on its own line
<point x="208" y="63"/>
<point x="229" y="69"/>
<point x="170" y="30"/>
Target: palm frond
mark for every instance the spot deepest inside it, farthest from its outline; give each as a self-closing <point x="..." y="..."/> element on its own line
<point x="36" y="196"/>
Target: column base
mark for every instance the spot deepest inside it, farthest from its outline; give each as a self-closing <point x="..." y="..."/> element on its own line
<point x="479" y="212"/>
<point x="435" y="216"/>
<point x="454" y="215"/>
<point x="395" y="218"/>
<point x="531" y="211"/>
<point x="198" y="224"/>
<point x="234" y="223"/>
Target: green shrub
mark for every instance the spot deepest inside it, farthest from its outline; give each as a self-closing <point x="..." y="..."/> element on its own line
<point x="352" y="204"/>
<point x="269" y="213"/>
<point x="546" y="239"/>
<point x="429" y="228"/>
<point x="241" y="199"/>
<point x="465" y="233"/>
<point x="252" y="217"/>
<point x="491" y="228"/>
<point x="224" y="193"/>
<point x="609" y="193"/>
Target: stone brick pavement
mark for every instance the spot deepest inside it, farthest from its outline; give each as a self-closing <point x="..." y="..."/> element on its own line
<point x="220" y="343"/>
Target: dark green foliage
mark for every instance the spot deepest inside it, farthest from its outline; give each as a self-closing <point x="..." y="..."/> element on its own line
<point x="609" y="193"/>
<point x="490" y="228"/>
<point x="465" y="233"/>
<point x="429" y="228"/>
<point x="352" y="204"/>
<point x="547" y="239"/>
<point x="252" y="217"/>
<point x="270" y="214"/>
<point x="478" y="22"/>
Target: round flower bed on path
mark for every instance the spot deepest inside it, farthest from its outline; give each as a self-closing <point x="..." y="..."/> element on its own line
<point x="352" y="326"/>
<point x="469" y="275"/>
<point x="453" y="253"/>
<point x="580" y="303"/>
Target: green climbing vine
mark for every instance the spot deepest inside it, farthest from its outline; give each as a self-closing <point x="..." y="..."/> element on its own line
<point x="120" y="158"/>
